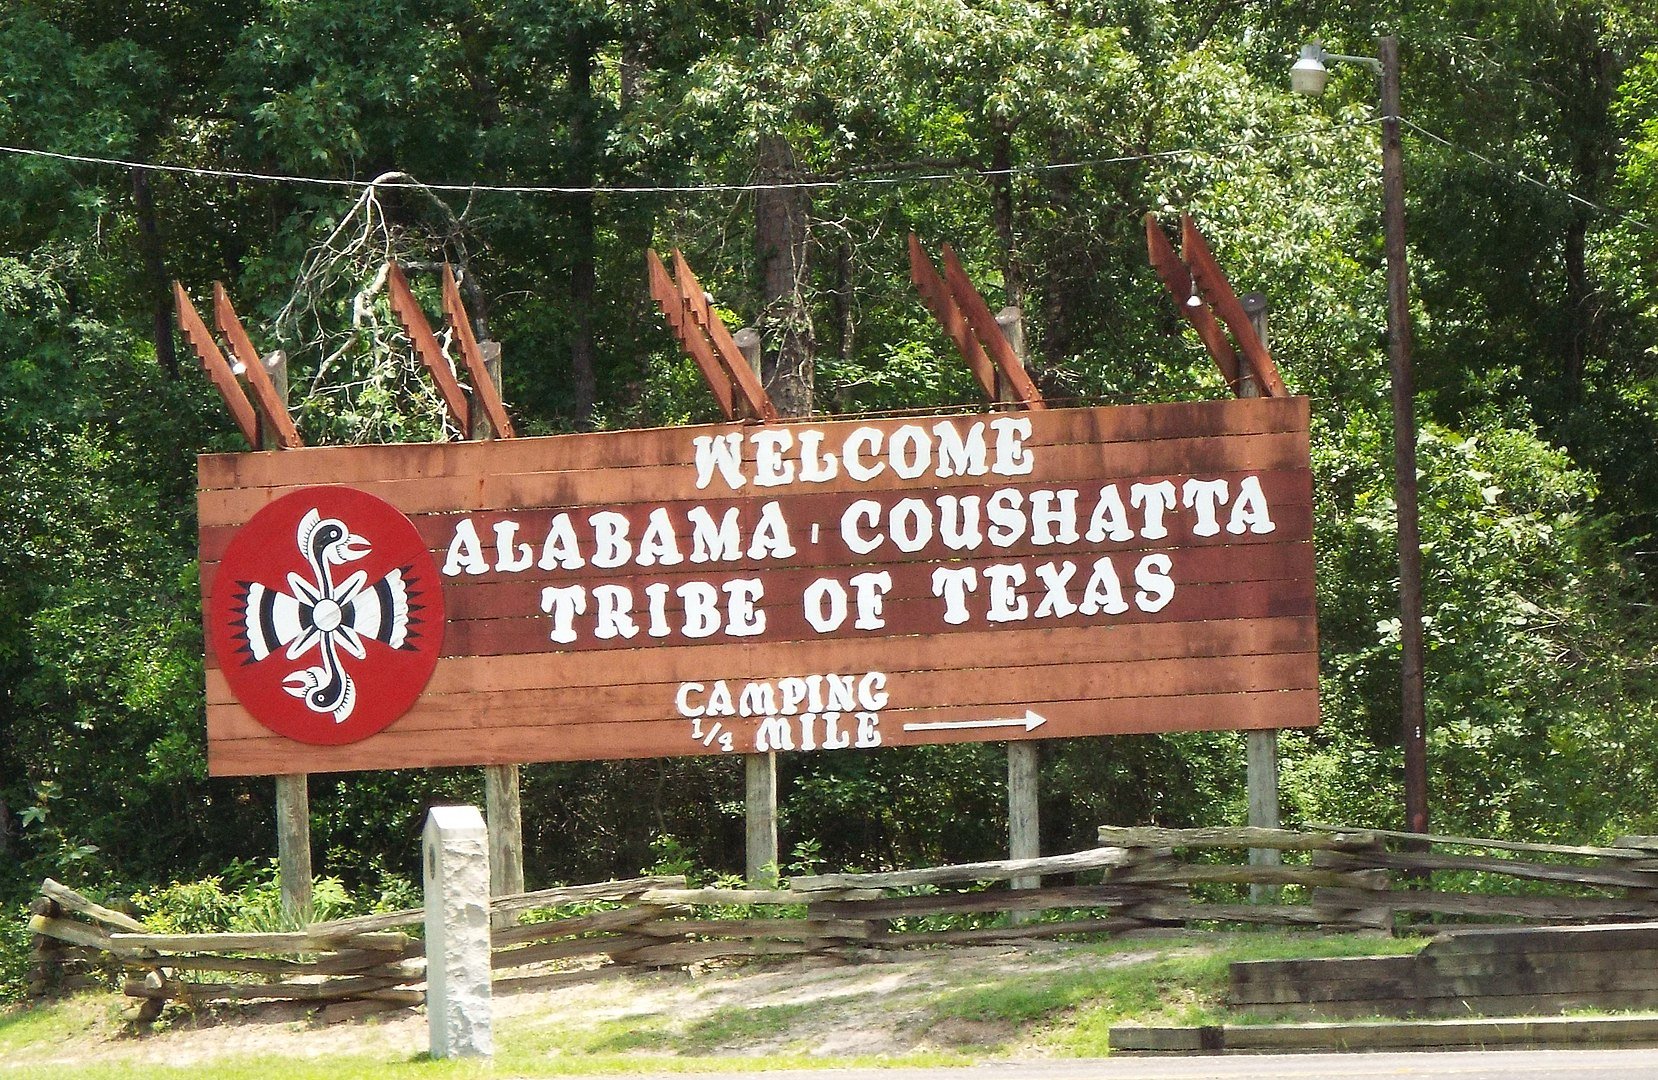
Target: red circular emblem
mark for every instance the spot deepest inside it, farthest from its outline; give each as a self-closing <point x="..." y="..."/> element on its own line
<point x="327" y="615"/>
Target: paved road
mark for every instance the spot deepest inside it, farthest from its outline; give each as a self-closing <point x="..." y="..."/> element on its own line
<point x="1448" y="1065"/>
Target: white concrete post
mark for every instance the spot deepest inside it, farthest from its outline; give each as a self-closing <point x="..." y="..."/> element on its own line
<point x="456" y="847"/>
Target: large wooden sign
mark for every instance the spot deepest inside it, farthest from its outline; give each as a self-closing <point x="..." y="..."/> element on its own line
<point x="745" y="588"/>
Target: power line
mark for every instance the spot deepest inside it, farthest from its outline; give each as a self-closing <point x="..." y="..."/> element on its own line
<point x="1215" y="150"/>
<point x="1532" y="180"/>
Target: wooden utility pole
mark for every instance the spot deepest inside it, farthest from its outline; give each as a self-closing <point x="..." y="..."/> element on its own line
<point x="1413" y="709"/>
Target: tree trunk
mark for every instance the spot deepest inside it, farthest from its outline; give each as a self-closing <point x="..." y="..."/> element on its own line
<point x="155" y="272"/>
<point x="780" y="237"/>
<point x="1001" y="161"/>
<point x="846" y="323"/>
<point x="635" y="221"/>
<point x="1580" y="308"/>
<point x="583" y="229"/>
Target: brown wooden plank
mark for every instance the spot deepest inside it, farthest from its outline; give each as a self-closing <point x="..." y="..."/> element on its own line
<point x="528" y="633"/>
<point x="217" y="367"/>
<point x="1500" y="969"/>
<point x="936" y="296"/>
<point x="1536" y="1031"/>
<point x="396" y="747"/>
<point x="816" y="533"/>
<point x="1212" y="281"/>
<point x="992" y="934"/>
<point x="271" y="405"/>
<point x="748" y="386"/>
<point x="1246" y="599"/>
<point x="413" y="320"/>
<point x="985" y="690"/>
<point x="1511" y="1005"/>
<point x="974" y="649"/>
<point x="1520" y="907"/>
<point x="517" y="596"/>
<point x="965" y="873"/>
<point x="815" y="523"/>
<point x="984" y="326"/>
<point x="1177" y="279"/>
<point x="483" y="386"/>
<point x="1571" y="851"/>
<point x="1267" y="556"/>
<point x="1042" y="899"/>
<point x="1062" y="465"/>
<point x="675" y="446"/>
<point x="689" y="335"/>
<point x="1516" y="868"/>
<point x="1534" y="940"/>
<point x="1237" y="836"/>
<point x="668" y="665"/>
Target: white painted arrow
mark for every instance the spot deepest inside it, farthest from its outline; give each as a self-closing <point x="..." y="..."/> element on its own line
<point x="1030" y="722"/>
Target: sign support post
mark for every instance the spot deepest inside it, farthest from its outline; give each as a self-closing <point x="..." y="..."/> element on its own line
<point x="480" y="416"/>
<point x="1024" y="759"/>
<point x="1261" y="746"/>
<point x="503" y="809"/>
<point x="760" y="844"/>
<point x="293" y="790"/>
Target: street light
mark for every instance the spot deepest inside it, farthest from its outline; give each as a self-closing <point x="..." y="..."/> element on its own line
<point x="1309" y="76"/>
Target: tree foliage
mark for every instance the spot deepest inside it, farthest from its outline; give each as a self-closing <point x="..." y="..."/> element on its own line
<point x="1032" y="135"/>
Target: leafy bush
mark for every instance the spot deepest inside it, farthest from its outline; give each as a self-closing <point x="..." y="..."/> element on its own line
<point x="251" y="904"/>
<point x="14" y="954"/>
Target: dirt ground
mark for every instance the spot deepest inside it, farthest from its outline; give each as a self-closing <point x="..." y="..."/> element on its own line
<point x="867" y="1008"/>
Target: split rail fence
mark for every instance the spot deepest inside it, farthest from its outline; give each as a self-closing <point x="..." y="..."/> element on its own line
<point x="1138" y="878"/>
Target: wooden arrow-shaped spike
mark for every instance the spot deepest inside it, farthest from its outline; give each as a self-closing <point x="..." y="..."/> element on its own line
<point x="690" y="337"/>
<point x="217" y="367"/>
<point x="271" y="405"/>
<point x="936" y="296"/>
<point x="1178" y="280"/>
<point x="483" y="386"/>
<point x="1214" y="286"/>
<point x="730" y="357"/>
<point x="989" y="334"/>
<point x="426" y="346"/>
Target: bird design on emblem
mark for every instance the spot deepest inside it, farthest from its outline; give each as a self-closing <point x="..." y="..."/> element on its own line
<point x="326" y="616"/>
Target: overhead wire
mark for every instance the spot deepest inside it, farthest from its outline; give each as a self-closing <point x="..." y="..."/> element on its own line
<point x="1213" y="150"/>
<point x="896" y="176"/>
<point x="1525" y="177"/>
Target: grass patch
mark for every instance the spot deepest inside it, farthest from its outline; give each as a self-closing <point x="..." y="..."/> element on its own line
<point x="968" y="1006"/>
<point x="55" y="1024"/>
<point x="1183" y="983"/>
<point x="701" y="1035"/>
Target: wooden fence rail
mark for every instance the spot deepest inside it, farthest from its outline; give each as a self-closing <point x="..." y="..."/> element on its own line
<point x="1348" y="879"/>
